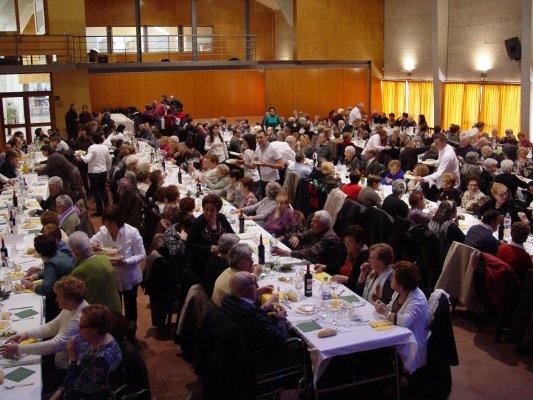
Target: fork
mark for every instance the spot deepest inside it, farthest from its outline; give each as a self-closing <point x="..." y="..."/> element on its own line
<point x="17" y="386"/>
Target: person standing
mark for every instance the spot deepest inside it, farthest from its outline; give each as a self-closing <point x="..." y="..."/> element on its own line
<point x="269" y="160"/>
<point x="71" y="122"/>
<point x="447" y="162"/>
<point x="99" y="161"/>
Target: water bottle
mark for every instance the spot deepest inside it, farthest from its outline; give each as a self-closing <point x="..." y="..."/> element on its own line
<point x="325" y="289"/>
<point x="507" y="225"/>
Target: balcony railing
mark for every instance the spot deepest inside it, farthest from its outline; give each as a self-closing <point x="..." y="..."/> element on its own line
<point x="69" y="49"/>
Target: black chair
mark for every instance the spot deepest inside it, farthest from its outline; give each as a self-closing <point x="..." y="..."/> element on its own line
<point x="378" y="226"/>
<point x="129" y="375"/>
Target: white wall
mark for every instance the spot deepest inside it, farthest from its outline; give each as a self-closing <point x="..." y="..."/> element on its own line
<point x="476" y="31"/>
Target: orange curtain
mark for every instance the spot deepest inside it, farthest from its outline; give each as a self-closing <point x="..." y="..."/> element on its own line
<point x="452" y="105"/>
<point x="509" y="108"/>
<point x="490" y="107"/>
<point x="393" y="96"/>
<point x="421" y="100"/>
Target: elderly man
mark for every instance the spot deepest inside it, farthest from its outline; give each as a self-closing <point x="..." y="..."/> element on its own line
<point x="95" y="271"/>
<point x="447" y="161"/>
<point x="487" y="152"/>
<point x="240" y="259"/>
<point x="299" y="167"/>
<point x="465" y="146"/>
<point x="264" y="327"/>
<point x="55" y="186"/>
<point x="319" y="245"/>
<point x="508" y="178"/>
<point x="481" y="236"/>
<point x="68" y="214"/>
<point x="235" y="143"/>
<point x="269" y="160"/>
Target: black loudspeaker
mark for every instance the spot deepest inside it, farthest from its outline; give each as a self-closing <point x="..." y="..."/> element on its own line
<point x="514" y="50"/>
<point x="102" y="59"/>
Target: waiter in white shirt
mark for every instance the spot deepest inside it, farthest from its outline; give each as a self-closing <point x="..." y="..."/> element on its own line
<point x="268" y="159"/>
<point x="355" y="114"/>
<point x="447" y="162"/>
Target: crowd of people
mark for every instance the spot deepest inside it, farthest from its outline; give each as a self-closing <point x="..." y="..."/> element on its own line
<point x="251" y="166"/>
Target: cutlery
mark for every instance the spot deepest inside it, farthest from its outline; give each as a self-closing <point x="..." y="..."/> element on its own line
<point x="341" y="292"/>
<point x="17" y="386"/>
<point x="22" y="319"/>
<point x="287" y="304"/>
<point x="20" y="308"/>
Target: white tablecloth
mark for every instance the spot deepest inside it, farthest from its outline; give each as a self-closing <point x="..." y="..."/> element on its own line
<point x="122" y="119"/>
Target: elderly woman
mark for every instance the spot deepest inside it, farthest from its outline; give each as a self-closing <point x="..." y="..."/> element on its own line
<point x="395" y="172"/>
<point x="260" y="211"/>
<point x="232" y="192"/>
<point x="508" y="178"/>
<point x="283" y="217"/>
<point x="370" y="196"/>
<point x="95" y="271"/>
<point x="240" y="259"/>
<point x="102" y="352"/>
<point x="217" y="263"/>
<point x="69" y="296"/>
<point x="393" y="203"/>
<point x="416" y="214"/>
<point x="143" y="182"/>
<point x="328" y="178"/>
<point x="68" y="214"/>
<point x="419" y="170"/>
<point x="473" y="198"/>
<point x="353" y="254"/>
<point x="247" y="196"/>
<point x="488" y="174"/>
<point x="56" y="265"/>
<point x="523" y="164"/>
<point x="374" y="281"/>
<point x="350" y="160"/>
<point x="471" y="166"/>
<point x="205" y="233"/>
<point x="408" y="307"/>
<point x="448" y="190"/>
<point x="221" y="179"/>
<point x="116" y="233"/>
<point x="444" y="225"/>
<point x="157" y="179"/>
<point x="176" y="234"/>
<point x="171" y="206"/>
<point x="501" y="202"/>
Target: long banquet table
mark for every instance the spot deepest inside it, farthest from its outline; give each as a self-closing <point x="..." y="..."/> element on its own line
<point x="22" y="301"/>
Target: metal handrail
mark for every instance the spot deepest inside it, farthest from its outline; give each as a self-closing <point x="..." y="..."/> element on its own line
<point x="75" y="49"/>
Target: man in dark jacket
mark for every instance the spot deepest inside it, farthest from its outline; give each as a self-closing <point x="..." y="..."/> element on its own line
<point x="71" y="122"/>
<point x="481" y="236"/>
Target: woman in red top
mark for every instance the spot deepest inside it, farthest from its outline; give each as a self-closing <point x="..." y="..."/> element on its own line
<point x="514" y="253"/>
<point x="352" y="189"/>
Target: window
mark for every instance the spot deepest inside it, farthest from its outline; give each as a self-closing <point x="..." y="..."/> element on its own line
<point x="162" y="39"/>
<point x="8" y="20"/>
<point x="24" y="83"/>
<point x="124" y="39"/>
<point x="96" y="38"/>
<point x="204" y="40"/>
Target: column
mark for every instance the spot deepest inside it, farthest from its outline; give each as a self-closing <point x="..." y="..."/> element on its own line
<point x="138" y="30"/>
<point x="194" y="28"/>
<point x="439" y="38"/>
<point x="525" y="65"/>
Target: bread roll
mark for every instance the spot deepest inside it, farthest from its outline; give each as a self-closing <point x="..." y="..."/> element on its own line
<point x="325" y="332"/>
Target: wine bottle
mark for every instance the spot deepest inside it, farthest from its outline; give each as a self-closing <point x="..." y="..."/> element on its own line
<point x="199" y="189"/>
<point x="241" y="222"/>
<point x="15" y="199"/>
<point x="308" y="282"/>
<point x="3" y="251"/>
<point x="261" y="251"/>
<point x="12" y="220"/>
<point x="163" y="164"/>
<point x="179" y="175"/>
<point x="501" y="231"/>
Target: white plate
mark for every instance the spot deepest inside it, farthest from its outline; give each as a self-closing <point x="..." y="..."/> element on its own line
<point x="306" y="309"/>
<point x="234" y="153"/>
<point x="4" y="325"/>
<point x="429" y="162"/>
<point x="232" y="161"/>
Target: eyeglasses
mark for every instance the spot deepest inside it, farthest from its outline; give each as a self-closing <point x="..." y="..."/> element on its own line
<point x="501" y="194"/>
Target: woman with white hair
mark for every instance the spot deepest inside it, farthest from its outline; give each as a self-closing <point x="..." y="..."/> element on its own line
<point x="260" y="211"/>
<point x="350" y="160"/>
<point x="68" y="214"/>
<point x="393" y="203"/>
<point x="523" y="164"/>
<point x="217" y="263"/>
<point x="508" y="178"/>
<point x="488" y="174"/>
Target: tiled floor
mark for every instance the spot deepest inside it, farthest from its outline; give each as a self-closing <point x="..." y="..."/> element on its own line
<point x="487" y="370"/>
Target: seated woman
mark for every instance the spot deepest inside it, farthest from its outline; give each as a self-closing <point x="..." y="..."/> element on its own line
<point x="102" y="351"/>
<point x="501" y="201"/>
<point x="448" y="190"/>
<point x="219" y="180"/>
<point x="393" y="203"/>
<point x="416" y="214"/>
<point x="217" y="263"/>
<point x="54" y="231"/>
<point x="352" y="189"/>
<point x="443" y="224"/>
<point x="143" y="182"/>
<point x="350" y="160"/>
<point x="514" y="253"/>
<point x="157" y="179"/>
<point x="240" y="259"/>
<point x="69" y="294"/>
<point x="370" y="196"/>
<point x="473" y="199"/>
<point x="374" y="278"/>
<point x="395" y="172"/>
<point x="419" y="170"/>
<point x="523" y="163"/>
<point x="176" y="234"/>
<point x="353" y="254"/>
<point x="172" y="202"/>
<point x="282" y="218"/>
<point x="56" y="265"/>
<point x="205" y="233"/>
<point x="260" y="211"/>
<point x="305" y="146"/>
<point x="232" y="192"/>
<point x="408" y="307"/>
<point x="248" y="198"/>
<point x="328" y="178"/>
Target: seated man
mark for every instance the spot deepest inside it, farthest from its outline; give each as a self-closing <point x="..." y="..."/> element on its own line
<point x="481" y="236"/>
<point x="68" y="214"/>
<point x="266" y="328"/>
<point x="319" y="245"/>
<point x="514" y="253"/>
<point x="55" y="186"/>
<point x="240" y="259"/>
<point x="299" y="168"/>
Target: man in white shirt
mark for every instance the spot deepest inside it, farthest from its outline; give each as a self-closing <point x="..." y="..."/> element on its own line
<point x="374" y="141"/>
<point x="269" y="160"/>
<point x="447" y="162"/>
<point x="355" y="114"/>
